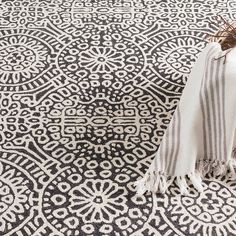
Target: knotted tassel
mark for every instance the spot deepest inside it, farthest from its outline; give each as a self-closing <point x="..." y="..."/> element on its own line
<point x="196" y="181"/>
<point x="156" y="183"/>
<point x="224" y="169"/>
<point x="232" y="174"/>
<point x="140" y="186"/>
<point x="207" y="168"/>
<point x="218" y="168"/>
<point x="169" y="182"/>
<point x="181" y="182"/>
<point x="163" y="184"/>
<point x="152" y="181"/>
<point x="201" y="167"/>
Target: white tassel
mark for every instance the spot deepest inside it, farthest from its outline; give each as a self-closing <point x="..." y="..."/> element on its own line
<point x="219" y="168"/>
<point x="156" y="183"/>
<point x="232" y="174"/>
<point x="181" y="182"/>
<point x="169" y="182"/>
<point x="140" y="186"/>
<point x="151" y="184"/>
<point x="163" y="184"/>
<point x="196" y="181"/>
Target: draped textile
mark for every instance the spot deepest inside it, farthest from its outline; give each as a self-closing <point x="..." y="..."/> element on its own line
<point x="200" y="136"/>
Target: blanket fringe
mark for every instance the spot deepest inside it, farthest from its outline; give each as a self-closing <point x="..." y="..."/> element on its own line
<point x="158" y="182"/>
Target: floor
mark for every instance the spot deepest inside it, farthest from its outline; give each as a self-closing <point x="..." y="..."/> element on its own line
<point x="87" y="89"/>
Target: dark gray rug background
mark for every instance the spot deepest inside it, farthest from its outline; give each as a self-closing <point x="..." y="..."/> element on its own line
<point x="87" y="89"/>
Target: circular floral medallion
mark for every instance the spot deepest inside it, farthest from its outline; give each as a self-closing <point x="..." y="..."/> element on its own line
<point x="24" y="56"/>
<point x="15" y="198"/>
<point x="73" y="204"/>
<point x="212" y="212"/>
<point x="107" y="55"/>
<point x="174" y="54"/>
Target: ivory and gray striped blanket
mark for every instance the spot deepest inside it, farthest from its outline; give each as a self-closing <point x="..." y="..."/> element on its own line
<point x="200" y="137"/>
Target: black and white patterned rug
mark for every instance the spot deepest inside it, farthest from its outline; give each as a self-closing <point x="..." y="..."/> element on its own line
<point x="87" y="89"/>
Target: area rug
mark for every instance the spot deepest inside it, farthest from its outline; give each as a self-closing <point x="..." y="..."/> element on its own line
<point x="87" y="89"/>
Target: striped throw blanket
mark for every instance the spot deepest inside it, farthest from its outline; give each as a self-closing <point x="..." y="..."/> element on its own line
<point x="200" y="137"/>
